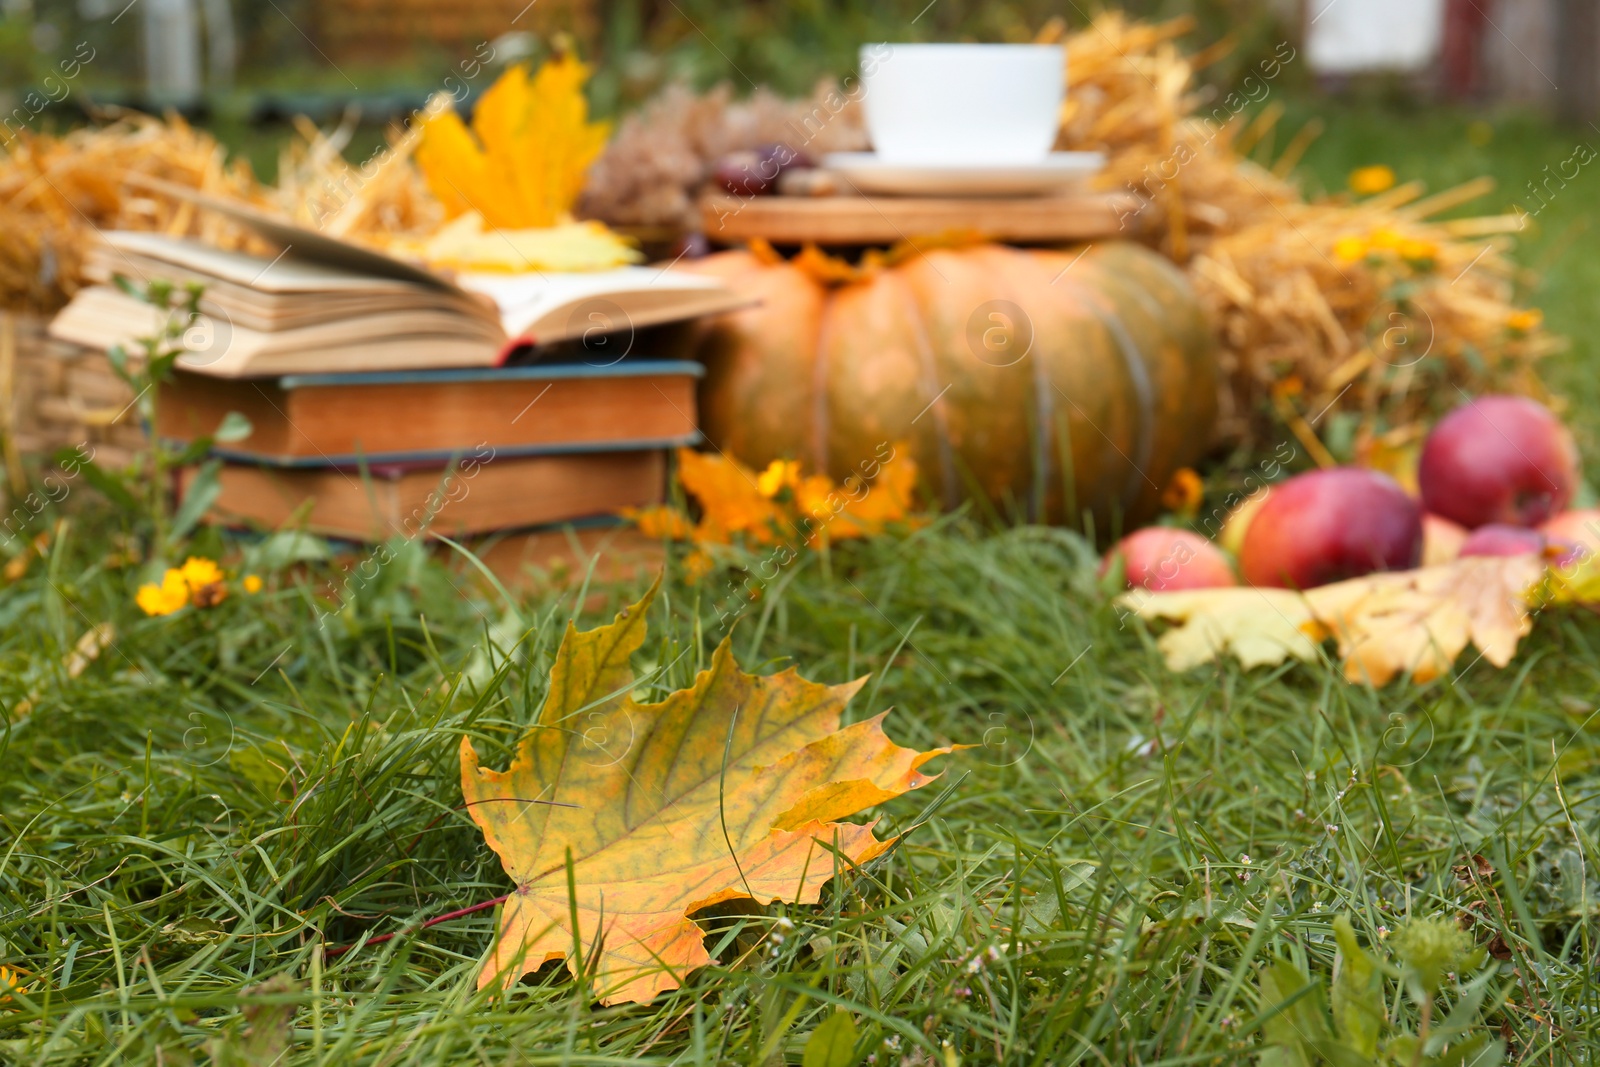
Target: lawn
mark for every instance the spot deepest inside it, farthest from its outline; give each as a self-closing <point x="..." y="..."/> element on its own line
<point x="199" y="818"/>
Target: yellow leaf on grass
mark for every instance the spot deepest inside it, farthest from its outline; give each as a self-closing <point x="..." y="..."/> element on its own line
<point x="1417" y="622"/>
<point x="1258" y="626"/>
<point x="727" y="790"/>
<point x="1414" y="622"/>
<point x="522" y="164"/>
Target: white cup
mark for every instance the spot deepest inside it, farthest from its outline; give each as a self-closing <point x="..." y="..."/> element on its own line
<point x="962" y="104"/>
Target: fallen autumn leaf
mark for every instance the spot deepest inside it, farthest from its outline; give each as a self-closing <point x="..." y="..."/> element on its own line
<point x="729" y="789"/>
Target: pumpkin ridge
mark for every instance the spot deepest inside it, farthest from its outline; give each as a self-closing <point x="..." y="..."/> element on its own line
<point x="1043" y="398"/>
<point x="930" y="388"/>
<point x="819" y="385"/>
<point x="1143" y="394"/>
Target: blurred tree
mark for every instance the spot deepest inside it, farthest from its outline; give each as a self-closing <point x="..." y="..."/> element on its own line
<point x="789" y="44"/>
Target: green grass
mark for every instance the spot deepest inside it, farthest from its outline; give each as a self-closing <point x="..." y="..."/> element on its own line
<point x="217" y="799"/>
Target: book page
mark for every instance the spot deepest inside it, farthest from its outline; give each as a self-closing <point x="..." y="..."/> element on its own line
<point x="526" y="299"/>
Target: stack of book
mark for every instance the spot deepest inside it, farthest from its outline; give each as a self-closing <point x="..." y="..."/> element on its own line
<point x="387" y="400"/>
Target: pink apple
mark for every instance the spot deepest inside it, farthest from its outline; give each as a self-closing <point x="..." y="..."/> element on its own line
<point x="1498" y="539"/>
<point x="1502" y="459"/>
<point x="1580" y="528"/>
<point x="1328" y="525"/>
<point x="1571" y="536"/>
<point x="1441" y="540"/>
<point x="1164" y="559"/>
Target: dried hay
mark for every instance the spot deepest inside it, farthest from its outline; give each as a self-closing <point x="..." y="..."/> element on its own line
<point x="1366" y="306"/>
<point x="56" y="193"/>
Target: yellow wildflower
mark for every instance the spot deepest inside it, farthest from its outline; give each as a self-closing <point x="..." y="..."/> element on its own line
<point x="1524" y="319"/>
<point x="204" y="579"/>
<point x="1365" y="181"/>
<point x="166" y="598"/>
<point x="1385" y="238"/>
<point x="252" y="583"/>
<point x="11" y="982"/>
<point x="1418" y="251"/>
<point x="1349" y="249"/>
<point x="779" y="473"/>
<point x="199" y="571"/>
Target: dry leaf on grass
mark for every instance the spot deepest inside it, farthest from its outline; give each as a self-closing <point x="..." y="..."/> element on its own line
<point x="1413" y="622"/>
<point x="726" y="790"/>
<point x="1417" y="622"/>
<point x="1258" y="626"/>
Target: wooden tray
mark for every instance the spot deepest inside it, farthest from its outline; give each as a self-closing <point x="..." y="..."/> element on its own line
<point x="858" y="220"/>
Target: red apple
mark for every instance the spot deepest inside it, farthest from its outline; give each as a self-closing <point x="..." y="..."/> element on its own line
<point x="1498" y="539"/>
<point x="1502" y="459"/>
<point x="1161" y="558"/>
<point x="1441" y="540"/>
<point x="1328" y="525"/>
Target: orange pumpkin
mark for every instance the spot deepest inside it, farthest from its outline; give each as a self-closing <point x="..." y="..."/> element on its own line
<point x="1051" y="383"/>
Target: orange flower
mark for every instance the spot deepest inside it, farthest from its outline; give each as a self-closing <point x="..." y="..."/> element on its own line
<point x="1525" y="320"/>
<point x="1184" y="492"/>
<point x="779" y="474"/>
<point x="252" y="583"/>
<point x="1365" y="181"/>
<point x="659" y="522"/>
<point x="696" y="565"/>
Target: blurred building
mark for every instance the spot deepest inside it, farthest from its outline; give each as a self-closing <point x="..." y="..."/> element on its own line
<point x="378" y="31"/>
<point x="1539" y="52"/>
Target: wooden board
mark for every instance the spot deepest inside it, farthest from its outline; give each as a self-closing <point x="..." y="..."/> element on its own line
<point x="855" y="220"/>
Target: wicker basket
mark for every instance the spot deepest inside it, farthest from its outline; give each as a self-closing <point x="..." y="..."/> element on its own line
<point x="55" y="395"/>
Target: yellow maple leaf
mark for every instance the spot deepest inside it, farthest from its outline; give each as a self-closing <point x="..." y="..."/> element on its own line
<point x="1258" y="627"/>
<point x="1417" y="622"/>
<point x="522" y="164"/>
<point x="730" y="789"/>
<point x="1414" y="622"/>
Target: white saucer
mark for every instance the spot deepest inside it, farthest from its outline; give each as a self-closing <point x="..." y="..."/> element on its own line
<point x="869" y="174"/>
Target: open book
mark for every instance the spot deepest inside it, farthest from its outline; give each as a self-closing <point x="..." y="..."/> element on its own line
<point x="326" y="305"/>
